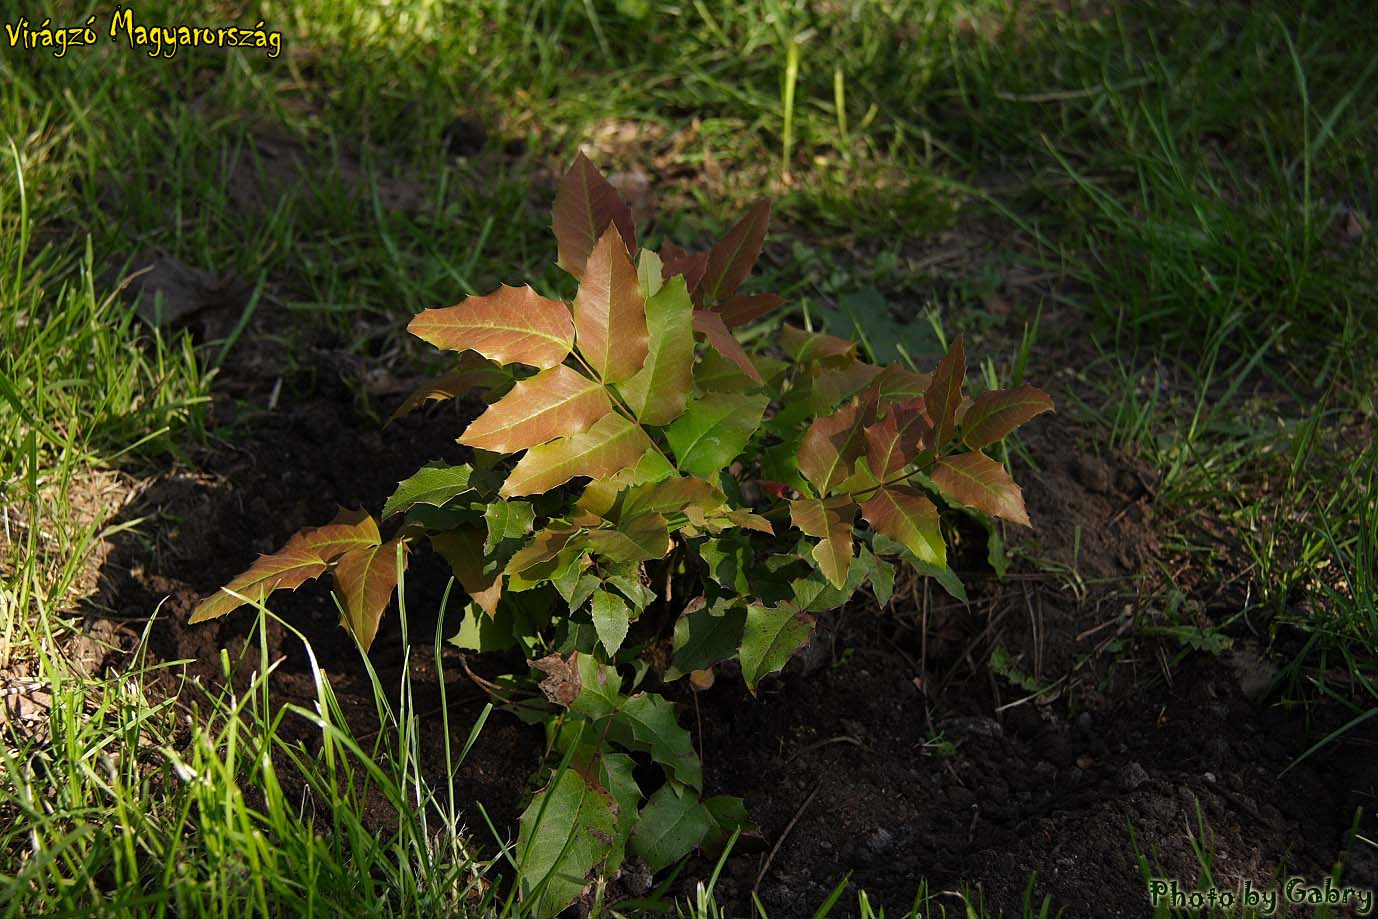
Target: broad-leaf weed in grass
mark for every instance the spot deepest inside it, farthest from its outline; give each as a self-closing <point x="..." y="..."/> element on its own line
<point x="718" y="512"/>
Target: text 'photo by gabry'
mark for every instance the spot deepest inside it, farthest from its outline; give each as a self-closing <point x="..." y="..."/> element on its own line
<point x="158" y="40"/>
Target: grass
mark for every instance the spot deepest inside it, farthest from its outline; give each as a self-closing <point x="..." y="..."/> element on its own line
<point x="1196" y="179"/>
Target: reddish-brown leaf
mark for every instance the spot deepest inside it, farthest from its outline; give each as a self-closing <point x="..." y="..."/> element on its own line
<point x="897" y="383"/>
<point x="612" y="444"/>
<point x="715" y="331"/>
<point x="306" y="556"/>
<point x="744" y="308"/>
<point x="945" y="393"/>
<point x="610" y="313"/>
<point x="831" y="522"/>
<point x="510" y="325"/>
<point x="893" y="442"/>
<point x="463" y="549"/>
<point x="908" y="518"/>
<point x="365" y="579"/>
<point x="690" y="264"/>
<point x="979" y="482"/>
<point x="474" y="372"/>
<point x="585" y="204"/>
<point x="553" y="403"/>
<point x="805" y="346"/>
<point x="831" y="447"/>
<point x="732" y="257"/>
<point x="545" y="546"/>
<point x="992" y="415"/>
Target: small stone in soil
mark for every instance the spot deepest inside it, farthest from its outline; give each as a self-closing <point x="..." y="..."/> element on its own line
<point x="1132" y="776"/>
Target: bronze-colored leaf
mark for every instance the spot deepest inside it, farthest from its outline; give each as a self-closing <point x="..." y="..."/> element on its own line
<point x="831" y="522"/>
<point x="744" y="308"/>
<point x="510" y="325"/>
<point x="543" y="547"/>
<point x="805" y="346"/>
<point x="612" y="444"/>
<point x="463" y="549"/>
<point x="638" y="539"/>
<point x="897" y="383"/>
<point x="994" y="414"/>
<point x="365" y="580"/>
<point x="945" y="393"/>
<point x="305" y="557"/>
<point x="830" y="448"/>
<point x="711" y="326"/>
<point x="553" y="403"/>
<point x="979" y="482"/>
<point x="910" y="519"/>
<point x="732" y="257"/>
<point x="609" y="312"/>
<point x="672" y="495"/>
<point x="474" y="372"/>
<point x="691" y="265"/>
<point x="893" y="442"/>
<point x="585" y="205"/>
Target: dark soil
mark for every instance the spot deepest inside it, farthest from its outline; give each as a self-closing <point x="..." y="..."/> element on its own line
<point x="898" y="756"/>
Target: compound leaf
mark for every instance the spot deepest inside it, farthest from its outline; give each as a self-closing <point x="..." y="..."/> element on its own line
<point x="553" y="403"/>
<point x="585" y="205"/>
<point x="510" y="325"/>
<point x="609" y="312"/>
<point x="610" y="445"/>
<point x="979" y="482"/>
<point x="893" y="442"/>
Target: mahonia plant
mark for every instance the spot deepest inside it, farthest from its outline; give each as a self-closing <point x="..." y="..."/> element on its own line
<point x="647" y="500"/>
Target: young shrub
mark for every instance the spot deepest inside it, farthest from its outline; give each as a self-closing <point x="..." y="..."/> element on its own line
<point x="648" y="500"/>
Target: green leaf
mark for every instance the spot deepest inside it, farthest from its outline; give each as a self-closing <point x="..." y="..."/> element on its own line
<point x="647" y="723"/>
<point x="728" y="815"/>
<point x="638" y="539"/>
<point x="510" y="325"/>
<point x="713" y="431"/>
<point x="720" y="338"/>
<point x="806" y="347"/>
<point x="671" y="826"/>
<point x="628" y="583"/>
<point x="944" y="575"/>
<point x="650" y="273"/>
<point x="600" y="693"/>
<point x="659" y="391"/>
<point x="480" y="631"/>
<point x="566" y="832"/>
<point x="771" y="637"/>
<point x="611" y="618"/>
<point x="882" y="576"/>
<point x="704" y="637"/>
<point x="433" y="484"/>
<point x="507" y="520"/>
<point x="672" y="496"/>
